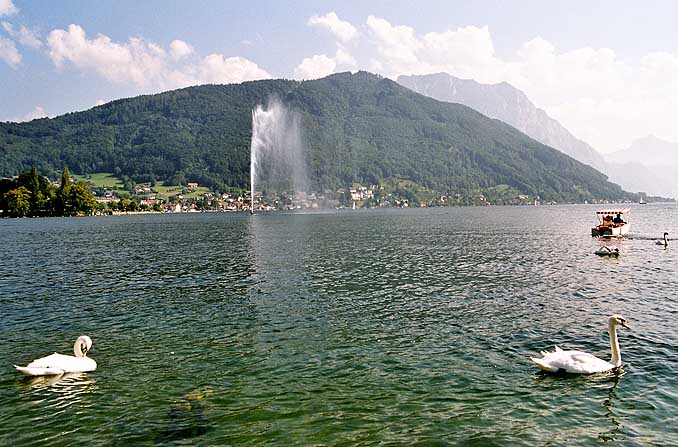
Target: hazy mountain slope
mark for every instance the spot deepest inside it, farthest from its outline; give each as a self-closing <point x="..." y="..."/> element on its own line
<point x="507" y="103"/>
<point x="357" y="127"/>
<point x="641" y="178"/>
<point x="648" y="151"/>
<point x="649" y="164"/>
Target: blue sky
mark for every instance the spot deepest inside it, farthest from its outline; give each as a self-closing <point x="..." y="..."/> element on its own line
<point x="607" y="70"/>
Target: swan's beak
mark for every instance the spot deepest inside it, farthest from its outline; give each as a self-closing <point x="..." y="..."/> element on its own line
<point x="624" y="324"/>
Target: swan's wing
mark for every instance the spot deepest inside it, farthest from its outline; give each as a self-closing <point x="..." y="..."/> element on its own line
<point x="589" y="362"/>
<point x="58" y="364"/>
<point x="39" y="371"/>
<point x="50" y="365"/>
<point x="576" y="362"/>
<point x="545" y="353"/>
<point x="47" y="361"/>
<point x="543" y="365"/>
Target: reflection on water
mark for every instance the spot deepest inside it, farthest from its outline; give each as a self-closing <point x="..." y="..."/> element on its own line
<point x="72" y="383"/>
<point x="609" y="403"/>
<point x="370" y="328"/>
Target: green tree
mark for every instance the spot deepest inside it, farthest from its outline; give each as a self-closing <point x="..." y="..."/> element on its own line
<point x="63" y="197"/>
<point x="133" y="206"/>
<point x="38" y="187"/>
<point x="124" y="204"/>
<point x="37" y="197"/>
<point x="82" y="200"/>
<point x="6" y="185"/>
<point x="100" y="208"/>
<point x="18" y="202"/>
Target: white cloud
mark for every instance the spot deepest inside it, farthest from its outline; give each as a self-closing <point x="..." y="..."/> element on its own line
<point x="9" y="53"/>
<point x="321" y="65"/>
<point x="397" y="45"/>
<point x="343" y="57"/>
<point x="36" y="113"/>
<point x="609" y="103"/>
<point x="342" y="30"/>
<point x="25" y="36"/>
<point x="29" y="37"/>
<point x="133" y="61"/>
<point x="315" y="67"/>
<point x="99" y="102"/>
<point x="601" y="99"/>
<point x="218" y="69"/>
<point x="180" y="49"/>
<point x="464" y="52"/>
<point x="7" y="8"/>
<point x="147" y="65"/>
<point x="553" y="77"/>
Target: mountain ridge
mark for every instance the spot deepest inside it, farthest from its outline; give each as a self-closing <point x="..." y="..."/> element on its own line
<point x="509" y="104"/>
<point x="357" y="127"/>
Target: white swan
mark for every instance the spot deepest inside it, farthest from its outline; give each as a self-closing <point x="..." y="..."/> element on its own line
<point x="578" y="362"/>
<point x="665" y="242"/>
<point x="606" y="250"/>
<point x="60" y="364"/>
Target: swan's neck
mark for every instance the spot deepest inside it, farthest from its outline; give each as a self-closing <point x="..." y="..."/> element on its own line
<point x="614" y="346"/>
<point x="78" y="348"/>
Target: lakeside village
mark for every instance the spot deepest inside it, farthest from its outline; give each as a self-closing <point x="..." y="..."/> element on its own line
<point x="31" y="194"/>
<point x="190" y="198"/>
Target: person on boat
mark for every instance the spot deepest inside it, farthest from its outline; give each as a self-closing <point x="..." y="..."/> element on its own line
<point x="618" y="219"/>
<point x="607" y="220"/>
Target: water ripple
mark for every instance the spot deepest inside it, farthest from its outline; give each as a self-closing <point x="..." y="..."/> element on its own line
<point x="368" y="328"/>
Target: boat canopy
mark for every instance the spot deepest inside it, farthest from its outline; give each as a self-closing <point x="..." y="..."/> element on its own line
<point x="614" y="211"/>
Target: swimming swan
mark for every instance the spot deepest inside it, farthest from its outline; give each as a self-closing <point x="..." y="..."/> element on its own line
<point x="59" y="364"/>
<point x="578" y="362"/>
<point x="606" y="250"/>
<point x="665" y="242"/>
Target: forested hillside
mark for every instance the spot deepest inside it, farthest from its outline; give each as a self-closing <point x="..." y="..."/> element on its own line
<point x="356" y="128"/>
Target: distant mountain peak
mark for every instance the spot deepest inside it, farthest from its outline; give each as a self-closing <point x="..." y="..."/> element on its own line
<point x="648" y="151"/>
<point x="651" y="139"/>
<point x="507" y="103"/>
<point x="648" y="164"/>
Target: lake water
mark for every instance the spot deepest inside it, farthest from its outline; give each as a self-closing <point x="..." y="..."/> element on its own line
<point x="393" y="327"/>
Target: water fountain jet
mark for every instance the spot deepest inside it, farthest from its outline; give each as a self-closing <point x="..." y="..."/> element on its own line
<point x="276" y="151"/>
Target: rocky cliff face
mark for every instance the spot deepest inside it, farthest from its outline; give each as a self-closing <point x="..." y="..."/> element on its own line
<point x="508" y="104"/>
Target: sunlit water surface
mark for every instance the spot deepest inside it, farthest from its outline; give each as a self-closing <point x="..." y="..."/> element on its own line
<point x="410" y="327"/>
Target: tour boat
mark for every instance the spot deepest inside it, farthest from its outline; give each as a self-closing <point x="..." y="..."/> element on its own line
<point x="611" y="222"/>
